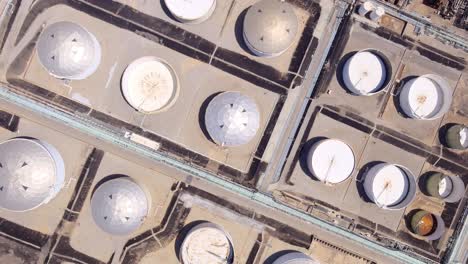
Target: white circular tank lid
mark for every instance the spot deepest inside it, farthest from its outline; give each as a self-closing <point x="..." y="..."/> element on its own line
<point x="380" y="11"/>
<point x="368" y="5"/>
<point x="386" y="184"/>
<point x="191" y="10"/>
<point x="426" y="97"/>
<point x="364" y="73"/>
<point x="445" y="187"/>
<point x="149" y="85"/>
<point x="331" y="160"/>
<point x="206" y="243"/>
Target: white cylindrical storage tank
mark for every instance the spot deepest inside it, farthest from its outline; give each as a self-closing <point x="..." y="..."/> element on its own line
<point x="426" y="97"/>
<point x="331" y="161"/>
<point x="390" y="186"/>
<point x="295" y="258"/>
<point x="364" y="73"/>
<point x="270" y="27"/>
<point x="449" y="188"/>
<point x="456" y="137"/>
<point x="206" y="243"/>
<point x="232" y="119"/>
<point x="150" y="85"/>
<point x="189" y="11"/>
<point x="68" y="51"/>
<point x="365" y="8"/>
<point x="32" y="172"/>
<point x="119" y="206"/>
<point x="377" y="13"/>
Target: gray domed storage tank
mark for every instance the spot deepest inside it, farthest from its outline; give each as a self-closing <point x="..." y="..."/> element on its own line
<point x="119" y="206"/>
<point x="206" y="243"/>
<point x="68" y="51"/>
<point x="232" y="119"/>
<point x="270" y="27"/>
<point x="32" y="172"/>
<point x="295" y="258"/>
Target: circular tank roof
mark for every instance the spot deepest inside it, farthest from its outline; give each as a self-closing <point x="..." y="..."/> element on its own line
<point x="191" y="11"/>
<point x="29" y="175"/>
<point x="150" y="85"/>
<point x="331" y="160"/>
<point x="68" y="51"/>
<point x="364" y="73"/>
<point x="119" y="206"/>
<point x="426" y="97"/>
<point x="270" y="27"/>
<point x="295" y="258"/>
<point x="232" y="119"/>
<point x="386" y="184"/>
<point x="206" y="243"/>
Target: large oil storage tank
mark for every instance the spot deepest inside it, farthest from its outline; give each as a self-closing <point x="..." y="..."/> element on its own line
<point x="150" y="85"/>
<point x="426" y="97"/>
<point x="449" y="188"/>
<point x="232" y="119"/>
<point x="426" y="225"/>
<point x="68" y="51"/>
<point x="390" y="186"/>
<point x="295" y="258"/>
<point x="119" y="206"/>
<point x="206" y="243"/>
<point x="189" y="11"/>
<point x="456" y="137"/>
<point x="365" y="73"/>
<point x="270" y="27"/>
<point x="330" y="161"/>
<point x="32" y="172"/>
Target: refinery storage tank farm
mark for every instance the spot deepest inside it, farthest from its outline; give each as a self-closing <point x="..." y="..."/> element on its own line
<point x="330" y="161"/>
<point x="150" y="85"/>
<point x="270" y="28"/>
<point x="191" y="12"/>
<point x="119" y="206"/>
<point x="32" y="172"/>
<point x="206" y="243"/>
<point x="232" y="119"/>
<point x="365" y="73"/>
<point x="390" y="186"/>
<point x="68" y="51"/>
<point x="426" y="97"/>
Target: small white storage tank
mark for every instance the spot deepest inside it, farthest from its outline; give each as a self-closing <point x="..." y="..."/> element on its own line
<point x="364" y="73"/>
<point x="330" y="161"/>
<point x="191" y="11"/>
<point x="295" y="258"/>
<point x="377" y="13"/>
<point x="150" y="85"/>
<point x="68" y="51"/>
<point x="119" y="206"/>
<point x="232" y="119"/>
<point x="426" y="97"/>
<point x="206" y="243"/>
<point x="390" y="186"/>
<point x="270" y="27"/>
<point x="365" y="8"/>
<point x="32" y="172"/>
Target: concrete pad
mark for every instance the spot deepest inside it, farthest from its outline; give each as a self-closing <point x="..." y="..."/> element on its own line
<point x="378" y="150"/>
<point x="89" y="239"/>
<point x="301" y="178"/>
<point x="423" y="130"/>
<point x="46" y="218"/>
<point x="366" y="106"/>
